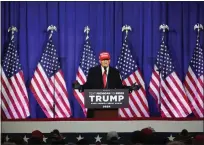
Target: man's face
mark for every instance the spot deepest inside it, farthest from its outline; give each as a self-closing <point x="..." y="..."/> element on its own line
<point x="105" y="63"/>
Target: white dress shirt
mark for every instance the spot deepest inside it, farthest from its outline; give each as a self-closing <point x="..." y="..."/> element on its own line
<point x="107" y="70"/>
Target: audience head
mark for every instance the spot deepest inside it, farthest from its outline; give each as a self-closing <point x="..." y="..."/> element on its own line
<point x="184" y="132"/>
<point x="112" y="137"/>
<point x="198" y="140"/>
<point x="37" y="135"/>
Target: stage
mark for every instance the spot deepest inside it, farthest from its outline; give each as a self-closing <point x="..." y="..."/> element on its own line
<point x="92" y="125"/>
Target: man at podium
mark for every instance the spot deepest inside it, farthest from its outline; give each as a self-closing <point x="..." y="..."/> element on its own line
<point x="103" y="76"/>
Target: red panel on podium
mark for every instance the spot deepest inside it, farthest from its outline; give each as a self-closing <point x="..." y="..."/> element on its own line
<point x="105" y="113"/>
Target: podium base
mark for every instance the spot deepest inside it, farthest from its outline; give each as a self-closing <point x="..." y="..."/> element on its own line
<point x="105" y="113"/>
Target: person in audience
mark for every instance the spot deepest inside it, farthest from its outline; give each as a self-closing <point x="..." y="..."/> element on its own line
<point x="137" y="138"/>
<point x="18" y="140"/>
<point x="198" y="140"/>
<point x="56" y="138"/>
<point x="184" y="137"/>
<point x="112" y="138"/>
<point x="36" y="138"/>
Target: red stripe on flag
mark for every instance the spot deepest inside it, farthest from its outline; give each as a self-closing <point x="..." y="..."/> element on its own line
<point x="171" y="102"/>
<point x="11" y="97"/>
<point x="24" y="93"/>
<point x="39" y="100"/>
<point x="7" y="106"/>
<point x="58" y="94"/>
<point x="183" y="95"/>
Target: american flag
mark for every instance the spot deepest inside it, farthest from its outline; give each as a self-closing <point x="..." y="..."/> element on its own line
<point x="130" y="73"/>
<point x="194" y="81"/>
<point x="15" y="103"/>
<point x="166" y="87"/>
<point x="48" y="85"/>
<point x="88" y="60"/>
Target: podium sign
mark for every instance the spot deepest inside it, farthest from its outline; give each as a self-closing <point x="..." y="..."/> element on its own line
<point x="107" y="98"/>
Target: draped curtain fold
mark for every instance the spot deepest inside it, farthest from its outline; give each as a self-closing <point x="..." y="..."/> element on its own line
<point x="105" y="20"/>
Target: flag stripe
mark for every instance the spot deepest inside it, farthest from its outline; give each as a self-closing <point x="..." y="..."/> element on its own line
<point x="193" y="93"/>
<point x="42" y="99"/>
<point x="164" y="111"/>
<point x="172" y="96"/>
<point x="141" y="94"/>
<point x="20" y="79"/>
<point x="50" y="93"/>
<point x="194" y="89"/>
<point x="7" y="112"/>
<point x="165" y="100"/>
<point x="155" y="91"/>
<point x="180" y="91"/>
<point x="9" y="99"/>
<point x="194" y="83"/>
<point x="133" y="106"/>
<point x="139" y="80"/>
<point x="154" y="87"/>
<point x="44" y="90"/>
<point x="12" y="95"/>
<point x="45" y="107"/>
<point x="78" y="95"/>
<point x="8" y="109"/>
<point x="80" y="98"/>
<point x="61" y="93"/>
<point x="195" y="106"/>
<point x="135" y="102"/>
<point x="81" y="75"/>
<point x="17" y="89"/>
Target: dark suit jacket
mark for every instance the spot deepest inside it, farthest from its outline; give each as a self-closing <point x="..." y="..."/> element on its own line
<point x="95" y="81"/>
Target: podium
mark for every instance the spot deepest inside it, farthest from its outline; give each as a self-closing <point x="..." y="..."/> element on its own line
<point x="104" y="103"/>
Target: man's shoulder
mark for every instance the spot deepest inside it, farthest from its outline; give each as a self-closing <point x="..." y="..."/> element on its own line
<point x="94" y="68"/>
<point x="114" y="69"/>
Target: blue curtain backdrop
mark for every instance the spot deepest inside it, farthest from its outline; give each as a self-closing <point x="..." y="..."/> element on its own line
<point x="105" y="20"/>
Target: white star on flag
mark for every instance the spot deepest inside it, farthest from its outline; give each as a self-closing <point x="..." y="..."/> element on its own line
<point x="79" y="138"/>
<point x="25" y="138"/>
<point x="7" y="138"/>
<point x="171" y="138"/>
<point x="98" y="138"/>
<point x="44" y="138"/>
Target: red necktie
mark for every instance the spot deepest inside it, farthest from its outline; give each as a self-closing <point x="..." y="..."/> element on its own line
<point x="104" y="79"/>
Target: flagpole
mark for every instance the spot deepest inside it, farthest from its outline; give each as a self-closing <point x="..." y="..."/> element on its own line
<point x="52" y="28"/>
<point x="199" y="28"/>
<point x="164" y="28"/>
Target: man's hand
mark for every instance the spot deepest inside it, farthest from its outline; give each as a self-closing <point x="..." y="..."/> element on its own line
<point x="134" y="87"/>
<point x="76" y="85"/>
